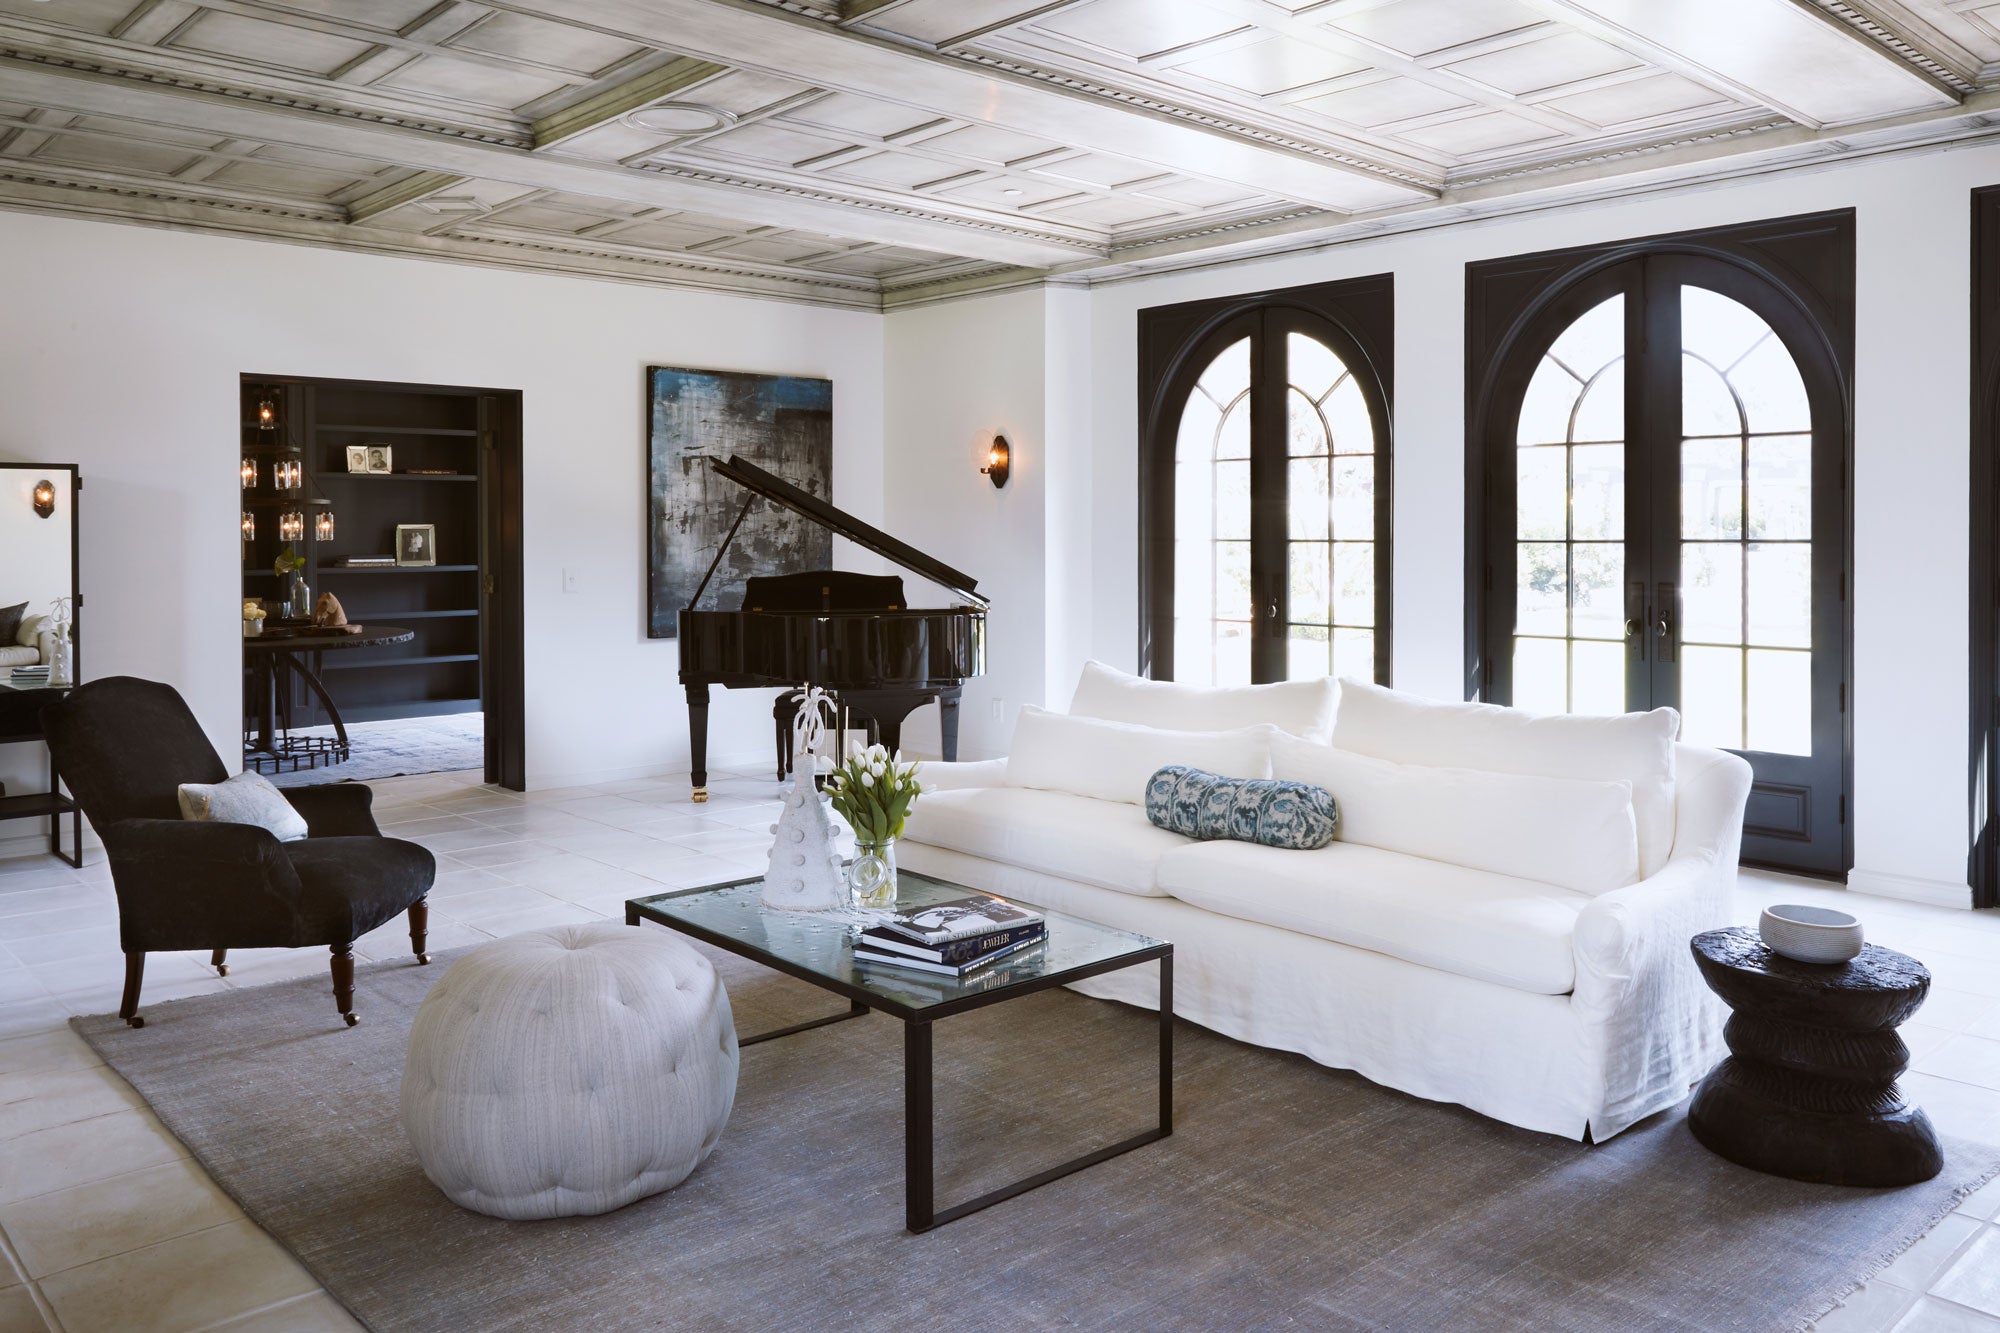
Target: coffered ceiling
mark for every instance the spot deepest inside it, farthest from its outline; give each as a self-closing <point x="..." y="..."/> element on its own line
<point x="877" y="151"/>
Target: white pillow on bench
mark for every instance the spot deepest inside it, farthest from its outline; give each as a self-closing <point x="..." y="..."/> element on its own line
<point x="1575" y="834"/>
<point x="1301" y="707"/>
<point x="1113" y="761"/>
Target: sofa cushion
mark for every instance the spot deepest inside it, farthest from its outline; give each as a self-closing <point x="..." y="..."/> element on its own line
<point x="1564" y="831"/>
<point x="1301" y="707"/>
<point x="1113" y="761"/>
<point x="1511" y="932"/>
<point x="1637" y="747"/>
<point x="1106" y="843"/>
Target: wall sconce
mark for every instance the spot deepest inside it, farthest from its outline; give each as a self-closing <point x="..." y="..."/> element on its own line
<point x="323" y="526"/>
<point x="249" y="526"/>
<point x="45" y="498"/>
<point x="291" y="526"/>
<point x="999" y="461"/>
<point x="286" y="474"/>
<point x="267" y="413"/>
<point x="249" y="473"/>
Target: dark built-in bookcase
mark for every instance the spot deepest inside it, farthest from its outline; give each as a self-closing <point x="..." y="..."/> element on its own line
<point x="427" y="428"/>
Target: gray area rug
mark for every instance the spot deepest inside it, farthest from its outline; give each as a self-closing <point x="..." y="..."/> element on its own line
<point x="1289" y="1196"/>
<point x="395" y="748"/>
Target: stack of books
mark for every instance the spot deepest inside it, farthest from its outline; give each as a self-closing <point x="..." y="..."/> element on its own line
<point x="364" y="562"/>
<point x="956" y="938"/>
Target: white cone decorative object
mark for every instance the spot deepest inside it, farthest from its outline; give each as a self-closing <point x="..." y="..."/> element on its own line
<point x="805" y="874"/>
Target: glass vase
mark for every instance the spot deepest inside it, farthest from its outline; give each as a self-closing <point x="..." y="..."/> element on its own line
<point x="871" y="876"/>
<point x="298" y="597"/>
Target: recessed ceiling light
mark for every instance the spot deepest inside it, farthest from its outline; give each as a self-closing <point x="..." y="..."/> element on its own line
<point x="679" y="118"/>
<point x="1011" y="193"/>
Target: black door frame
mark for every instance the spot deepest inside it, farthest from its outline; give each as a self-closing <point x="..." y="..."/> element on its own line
<point x="1356" y="318"/>
<point x="502" y="633"/>
<point x="1983" y="775"/>
<point x="1799" y="274"/>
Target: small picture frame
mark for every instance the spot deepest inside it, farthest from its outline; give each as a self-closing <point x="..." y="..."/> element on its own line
<point x="357" y="458"/>
<point x="378" y="457"/>
<point x="416" y="543"/>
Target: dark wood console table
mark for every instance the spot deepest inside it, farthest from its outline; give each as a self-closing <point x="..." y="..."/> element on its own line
<point x="21" y="706"/>
<point x="274" y="652"/>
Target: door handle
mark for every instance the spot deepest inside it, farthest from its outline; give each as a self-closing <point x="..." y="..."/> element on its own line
<point x="1665" y="625"/>
<point x="1635" y="617"/>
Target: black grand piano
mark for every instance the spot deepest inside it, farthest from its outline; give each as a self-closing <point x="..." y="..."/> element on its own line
<point x="852" y="635"/>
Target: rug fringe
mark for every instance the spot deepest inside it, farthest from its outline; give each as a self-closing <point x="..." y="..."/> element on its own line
<point x="1958" y="1196"/>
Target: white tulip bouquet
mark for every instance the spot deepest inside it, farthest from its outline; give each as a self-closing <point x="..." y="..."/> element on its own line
<point x="873" y="791"/>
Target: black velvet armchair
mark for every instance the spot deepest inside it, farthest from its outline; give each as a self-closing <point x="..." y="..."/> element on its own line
<point x="124" y="746"/>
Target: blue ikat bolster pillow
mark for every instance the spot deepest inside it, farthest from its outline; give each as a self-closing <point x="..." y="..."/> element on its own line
<point x="1296" y="816"/>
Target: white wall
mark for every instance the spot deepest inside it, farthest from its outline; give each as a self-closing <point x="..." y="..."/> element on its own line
<point x="120" y="349"/>
<point x="1911" y="442"/>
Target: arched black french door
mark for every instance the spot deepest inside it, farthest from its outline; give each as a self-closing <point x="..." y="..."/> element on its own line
<point x="1265" y="485"/>
<point x="1661" y="436"/>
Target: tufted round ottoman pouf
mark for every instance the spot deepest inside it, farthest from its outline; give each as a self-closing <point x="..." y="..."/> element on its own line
<point x="569" y="1071"/>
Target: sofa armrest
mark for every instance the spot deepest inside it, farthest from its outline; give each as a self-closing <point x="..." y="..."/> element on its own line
<point x="174" y="876"/>
<point x="937" y="775"/>
<point x="335" y="809"/>
<point x="1652" y="1024"/>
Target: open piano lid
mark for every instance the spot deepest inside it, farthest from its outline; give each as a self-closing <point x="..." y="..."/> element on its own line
<point x="779" y="491"/>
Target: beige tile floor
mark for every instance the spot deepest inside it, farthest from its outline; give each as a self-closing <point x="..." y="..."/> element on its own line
<point x="106" y="1226"/>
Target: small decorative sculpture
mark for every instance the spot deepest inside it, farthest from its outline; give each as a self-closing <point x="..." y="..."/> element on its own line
<point x="804" y="874"/>
<point x="328" y="612"/>
<point x="61" y="664"/>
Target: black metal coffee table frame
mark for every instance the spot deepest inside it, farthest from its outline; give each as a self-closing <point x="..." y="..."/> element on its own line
<point x="919" y="1184"/>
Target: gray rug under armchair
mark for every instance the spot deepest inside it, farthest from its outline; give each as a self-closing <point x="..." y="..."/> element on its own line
<point x="1289" y="1195"/>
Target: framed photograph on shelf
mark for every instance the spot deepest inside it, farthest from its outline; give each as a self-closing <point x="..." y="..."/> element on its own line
<point x="357" y="458"/>
<point x="378" y="457"/>
<point x="416" y="543"/>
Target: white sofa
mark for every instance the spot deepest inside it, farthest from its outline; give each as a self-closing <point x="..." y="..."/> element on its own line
<point x="1569" y="1010"/>
<point x="32" y="645"/>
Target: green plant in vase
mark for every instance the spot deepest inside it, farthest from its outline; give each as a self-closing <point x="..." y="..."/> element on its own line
<point x="294" y="595"/>
<point x="873" y="791"/>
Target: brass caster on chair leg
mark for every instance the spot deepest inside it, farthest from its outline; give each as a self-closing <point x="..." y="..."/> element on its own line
<point x="222" y="969"/>
<point x="701" y="795"/>
<point x="136" y="1021"/>
<point x="423" y="958"/>
<point x="351" y="1019"/>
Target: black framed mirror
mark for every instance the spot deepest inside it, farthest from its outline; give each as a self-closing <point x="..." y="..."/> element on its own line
<point x="39" y="578"/>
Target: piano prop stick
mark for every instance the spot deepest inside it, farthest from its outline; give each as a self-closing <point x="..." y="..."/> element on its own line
<point x="851" y="635"/>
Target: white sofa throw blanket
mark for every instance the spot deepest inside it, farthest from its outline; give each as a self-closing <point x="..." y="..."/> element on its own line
<point x="1563" y="831"/>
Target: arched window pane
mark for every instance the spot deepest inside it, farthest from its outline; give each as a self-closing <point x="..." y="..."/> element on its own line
<point x="1232" y="440"/>
<point x="1305" y="433"/>
<point x="1228" y="376"/>
<point x="1347" y="415"/>
<point x="1707" y="406"/>
<point x="1746" y="526"/>
<point x="1212" y="523"/>
<point x="1311" y="365"/>
<point x="1569" y="575"/>
<point x="1601" y="414"/>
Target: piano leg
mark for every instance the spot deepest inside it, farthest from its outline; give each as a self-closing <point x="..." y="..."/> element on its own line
<point x="698" y="739"/>
<point x="948" y="722"/>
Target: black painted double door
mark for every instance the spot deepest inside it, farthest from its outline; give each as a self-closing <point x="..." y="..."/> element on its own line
<point x="1666" y="525"/>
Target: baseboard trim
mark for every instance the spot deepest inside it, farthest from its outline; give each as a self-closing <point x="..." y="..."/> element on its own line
<point x="1909" y="888"/>
<point x="590" y="777"/>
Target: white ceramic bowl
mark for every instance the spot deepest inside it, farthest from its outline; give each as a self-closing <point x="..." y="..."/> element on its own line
<point x="1810" y="934"/>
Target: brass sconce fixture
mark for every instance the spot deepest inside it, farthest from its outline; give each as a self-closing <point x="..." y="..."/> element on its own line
<point x="999" y="461"/>
<point x="45" y="498"/>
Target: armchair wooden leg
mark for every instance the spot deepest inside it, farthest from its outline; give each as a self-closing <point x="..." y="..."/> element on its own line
<point x="135" y="975"/>
<point x="420" y="925"/>
<point x="216" y="961"/>
<point x="343" y="982"/>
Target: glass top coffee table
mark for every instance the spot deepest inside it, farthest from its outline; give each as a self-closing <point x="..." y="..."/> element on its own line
<point x="819" y="948"/>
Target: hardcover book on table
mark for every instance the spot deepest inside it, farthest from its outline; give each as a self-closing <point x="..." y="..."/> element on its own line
<point x="960" y="918"/>
<point x="955" y="952"/>
<point x="863" y="954"/>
